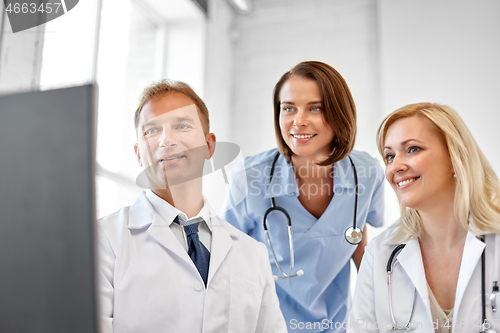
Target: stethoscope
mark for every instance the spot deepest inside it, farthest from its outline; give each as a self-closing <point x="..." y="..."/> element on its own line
<point x="409" y="325"/>
<point x="353" y="235"/>
<point x="395" y="326"/>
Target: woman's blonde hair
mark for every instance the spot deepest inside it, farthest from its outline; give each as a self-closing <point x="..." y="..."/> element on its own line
<point x="477" y="193"/>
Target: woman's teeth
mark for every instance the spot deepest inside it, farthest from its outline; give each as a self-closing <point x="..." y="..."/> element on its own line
<point x="303" y="136"/>
<point x="404" y="182"/>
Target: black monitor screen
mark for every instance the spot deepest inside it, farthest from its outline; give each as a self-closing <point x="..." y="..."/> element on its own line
<point x="47" y="211"/>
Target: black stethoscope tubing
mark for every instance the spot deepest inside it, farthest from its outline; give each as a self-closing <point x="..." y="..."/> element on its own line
<point x="483" y="287"/>
<point x="354" y="221"/>
<point x="354" y="230"/>
<point x="395" y="325"/>
<point x="273" y="203"/>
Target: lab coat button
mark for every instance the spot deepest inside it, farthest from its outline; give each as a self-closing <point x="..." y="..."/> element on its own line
<point x="198" y="286"/>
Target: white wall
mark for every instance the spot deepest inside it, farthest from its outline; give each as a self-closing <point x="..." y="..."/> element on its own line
<point x="391" y="53"/>
<point x="219" y="83"/>
<point x="20" y="57"/>
<point x="443" y="51"/>
<point x="219" y="68"/>
<point x="280" y="33"/>
<point x="185" y="57"/>
<point x="246" y="55"/>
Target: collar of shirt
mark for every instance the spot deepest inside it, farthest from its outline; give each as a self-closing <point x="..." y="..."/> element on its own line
<point x="284" y="182"/>
<point x="168" y="212"/>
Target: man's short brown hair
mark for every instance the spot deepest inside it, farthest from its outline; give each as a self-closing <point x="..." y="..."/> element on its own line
<point x="165" y="87"/>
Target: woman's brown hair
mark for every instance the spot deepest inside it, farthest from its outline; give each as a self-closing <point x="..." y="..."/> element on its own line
<point x="338" y="109"/>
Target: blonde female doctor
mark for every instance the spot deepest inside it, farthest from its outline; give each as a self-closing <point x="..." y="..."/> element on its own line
<point x="437" y="269"/>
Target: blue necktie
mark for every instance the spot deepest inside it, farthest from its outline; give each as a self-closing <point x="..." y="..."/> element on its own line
<point x="196" y="250"/>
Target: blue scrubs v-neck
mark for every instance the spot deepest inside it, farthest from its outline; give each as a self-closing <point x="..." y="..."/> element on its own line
<point x="321" y="296"/>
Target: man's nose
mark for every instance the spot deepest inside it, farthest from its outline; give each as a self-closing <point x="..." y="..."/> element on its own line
<point x="167" y="138"/>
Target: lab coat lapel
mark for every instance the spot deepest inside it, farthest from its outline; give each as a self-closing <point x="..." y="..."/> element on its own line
<point x="142" y="215"/>
<point x="473" y="249"/>
<point x="411" y="261"/>
<point x="162" y="233"/>
<point x="221" y="244"/>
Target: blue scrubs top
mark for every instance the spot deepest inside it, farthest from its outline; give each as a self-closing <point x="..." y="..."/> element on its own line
<point x="319" y="300"/>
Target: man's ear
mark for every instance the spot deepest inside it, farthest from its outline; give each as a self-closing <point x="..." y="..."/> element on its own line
<point x="138" y="154"/>
<point x="210" y="138"/>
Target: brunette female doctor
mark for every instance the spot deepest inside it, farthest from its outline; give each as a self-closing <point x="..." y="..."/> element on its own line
<point x="316" y="183"/>
<point x="437" y="268"/>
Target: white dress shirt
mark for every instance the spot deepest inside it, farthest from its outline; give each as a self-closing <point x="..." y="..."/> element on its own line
<point x="168" y="213"/>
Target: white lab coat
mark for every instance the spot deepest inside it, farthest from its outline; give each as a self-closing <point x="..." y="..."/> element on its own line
<point x="150" y="284"/>
<point x="370" y="310"/>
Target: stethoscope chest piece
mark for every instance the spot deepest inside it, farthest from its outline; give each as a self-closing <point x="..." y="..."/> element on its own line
<point x="353" y="236"/>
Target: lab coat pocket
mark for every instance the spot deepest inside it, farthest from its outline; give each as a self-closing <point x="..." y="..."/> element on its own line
<point x="244" y="305"/>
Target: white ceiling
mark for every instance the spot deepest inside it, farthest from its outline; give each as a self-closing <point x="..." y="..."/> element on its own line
<point x="174" y="10"/>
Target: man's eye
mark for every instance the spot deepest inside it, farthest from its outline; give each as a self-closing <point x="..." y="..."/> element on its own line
<point x="183" y="126"/>
<point x="151" y="131"/>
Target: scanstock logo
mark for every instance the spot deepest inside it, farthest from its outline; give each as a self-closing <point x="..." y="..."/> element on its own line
<point x="26" y="14"/>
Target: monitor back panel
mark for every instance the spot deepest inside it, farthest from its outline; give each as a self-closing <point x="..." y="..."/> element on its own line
<point x="47" y="211"/>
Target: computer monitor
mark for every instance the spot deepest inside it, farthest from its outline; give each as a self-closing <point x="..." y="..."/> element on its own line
<point x="47" y="211"/>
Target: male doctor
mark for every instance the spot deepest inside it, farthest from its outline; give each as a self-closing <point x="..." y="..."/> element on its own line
<point x="168" y="263"/>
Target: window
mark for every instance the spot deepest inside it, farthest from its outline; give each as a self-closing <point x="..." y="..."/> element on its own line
<point x="126" y="64"/>
<point x="140" y="41"/>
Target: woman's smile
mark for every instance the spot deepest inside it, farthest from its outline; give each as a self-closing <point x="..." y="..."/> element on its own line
<point x="301" y="119"/>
